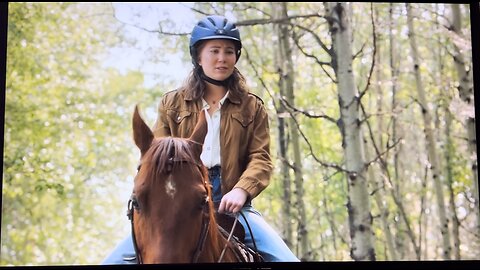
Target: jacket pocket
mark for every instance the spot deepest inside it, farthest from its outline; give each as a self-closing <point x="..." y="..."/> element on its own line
<point x="177" y="117"/>
<point x="243" y="119"/>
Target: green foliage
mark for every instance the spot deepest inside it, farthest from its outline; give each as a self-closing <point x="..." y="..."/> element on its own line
<point x="66" y="132"/>
<point x="69" y="159"/>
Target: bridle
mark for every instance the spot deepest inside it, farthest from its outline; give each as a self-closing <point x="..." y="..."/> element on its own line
<point x="133" y="205"/>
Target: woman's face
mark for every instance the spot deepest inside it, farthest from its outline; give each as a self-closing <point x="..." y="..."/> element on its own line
<point x="217" y="58"/>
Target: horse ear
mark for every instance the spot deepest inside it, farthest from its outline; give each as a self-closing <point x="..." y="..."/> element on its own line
<point x="199" y="133"/>
<point x="142" y="135"/>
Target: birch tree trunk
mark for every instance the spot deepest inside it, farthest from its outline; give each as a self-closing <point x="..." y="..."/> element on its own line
<point x="430" y="139"/>
<point x="379" y="196"/>
<point x="396" y="134"/>
<point x="449" y="168"/>
<point x="280" y="59"/>
<point x="358" y="205"/>
<point x="286" y="70"/>
<point x="331" y="222"/>
<point x="465" y="90"/>
<point x="449" y="147"/>
<point x="373" y="172"/>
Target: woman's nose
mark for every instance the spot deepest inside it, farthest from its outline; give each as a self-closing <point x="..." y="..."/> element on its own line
<point x="222" y="57"/>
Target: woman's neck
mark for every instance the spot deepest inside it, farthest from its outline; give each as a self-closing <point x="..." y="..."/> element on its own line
<point x="214" y="93"/>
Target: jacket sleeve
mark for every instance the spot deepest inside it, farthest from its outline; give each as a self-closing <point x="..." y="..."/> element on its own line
<point x="256" y="176"/>
<point x="161" y="127"/>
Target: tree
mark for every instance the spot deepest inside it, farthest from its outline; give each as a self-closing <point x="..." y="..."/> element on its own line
<point x="430" y="138"/>
<point x="358" y="204"/>
<point x="66" y="138"/>
<point x="465" y="91"/>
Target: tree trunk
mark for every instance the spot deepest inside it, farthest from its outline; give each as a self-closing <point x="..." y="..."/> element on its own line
<point x="331" y="222"/>
<point x="430" y="139"/>
<point x="358" y="205"/>
<point x="379" y="196"/>
<point x="449" y="148"/>
<point x="286" y="71"/>
<point x="423" y="218"/>
<point x="396" y="134"/>
<point x="465" y="90"/>
<point x="374" y="176"/>
<point x="282" y="138"/>
<point x="449" y="168"/>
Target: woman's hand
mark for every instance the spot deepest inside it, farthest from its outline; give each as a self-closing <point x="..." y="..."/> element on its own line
<point x="233" y="201"/>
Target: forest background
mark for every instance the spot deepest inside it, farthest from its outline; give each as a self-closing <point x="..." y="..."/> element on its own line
<point x="371" y="112"/>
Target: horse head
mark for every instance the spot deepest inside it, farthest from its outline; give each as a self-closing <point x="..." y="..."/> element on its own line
<point x="171" y="196"/>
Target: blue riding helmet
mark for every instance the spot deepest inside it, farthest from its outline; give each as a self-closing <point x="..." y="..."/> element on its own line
<point x="214" y="27"/>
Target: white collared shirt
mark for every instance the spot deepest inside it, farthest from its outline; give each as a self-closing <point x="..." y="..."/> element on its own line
<point x="211" y="155"/>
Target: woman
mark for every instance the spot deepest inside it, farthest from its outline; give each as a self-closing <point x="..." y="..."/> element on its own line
<point x="236" y="150"/>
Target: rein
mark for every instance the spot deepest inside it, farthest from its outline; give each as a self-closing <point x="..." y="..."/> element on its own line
<point x="228" y="239"/>
<point x="132" y="204"/>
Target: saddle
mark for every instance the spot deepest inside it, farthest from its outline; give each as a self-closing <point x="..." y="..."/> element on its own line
<point x="226" y="222"/>
<point x="242" y="251"/>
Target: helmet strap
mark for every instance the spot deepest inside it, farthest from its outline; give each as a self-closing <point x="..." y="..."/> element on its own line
<point x="213" y="81"/>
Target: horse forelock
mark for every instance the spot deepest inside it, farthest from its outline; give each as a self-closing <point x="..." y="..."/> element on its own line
<point x="165" y="153"/>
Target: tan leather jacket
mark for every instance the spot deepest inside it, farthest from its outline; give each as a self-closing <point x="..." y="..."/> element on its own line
<point x="244" y="136"/>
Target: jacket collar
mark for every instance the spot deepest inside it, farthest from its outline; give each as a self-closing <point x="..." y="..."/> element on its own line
<point x="232" y="97"/>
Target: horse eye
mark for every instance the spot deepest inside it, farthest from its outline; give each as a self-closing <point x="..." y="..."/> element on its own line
<point x="204" y="201"/>
<point x="135" y="204"/>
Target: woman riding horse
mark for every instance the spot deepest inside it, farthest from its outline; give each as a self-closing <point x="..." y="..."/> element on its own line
<point x="236" y="149"/>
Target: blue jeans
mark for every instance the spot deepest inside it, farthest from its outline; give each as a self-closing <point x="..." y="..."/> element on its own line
<point x="269" y="244"/>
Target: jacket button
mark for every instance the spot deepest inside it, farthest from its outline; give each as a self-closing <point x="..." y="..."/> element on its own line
<point x="178" y="118"/>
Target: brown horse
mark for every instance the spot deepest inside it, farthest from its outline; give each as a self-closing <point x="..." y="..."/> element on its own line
<point x="173" y="218"/>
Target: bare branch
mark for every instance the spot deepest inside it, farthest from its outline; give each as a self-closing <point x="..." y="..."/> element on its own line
<point x="379" y="156"/>
<point x="374" y="34"/>
<point x="325" y="164"/>
<point x="157" y="31"/>
<point x="359" y="51"/>
<point x="254" y="8"/>
<point x="377" y="151"/>
<point x="321" y="63"/>
<point x="316" y="37"/>
<point x="285" y="20"/>
<point x="308" y="114"/>
<point x="196" y="10"/>
<point x="373" y="114"/>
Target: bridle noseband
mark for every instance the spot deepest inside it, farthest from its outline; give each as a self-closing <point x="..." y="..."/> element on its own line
<point x="133" y="205"/>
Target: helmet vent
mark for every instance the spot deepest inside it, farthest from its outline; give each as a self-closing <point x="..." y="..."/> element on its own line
<point x="211" y="20"/>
